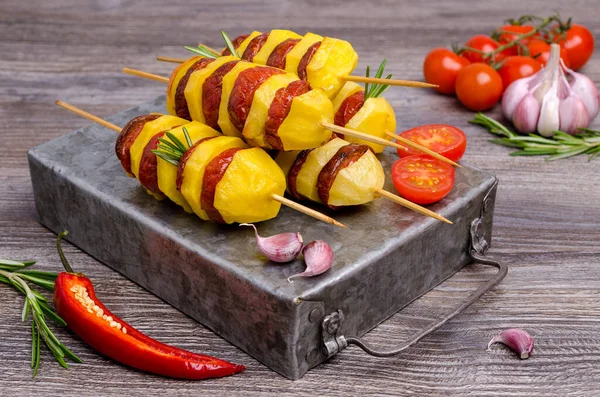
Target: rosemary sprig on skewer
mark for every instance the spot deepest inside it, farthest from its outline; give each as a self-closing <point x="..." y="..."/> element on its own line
<point x="209" y="53"/>
<point x="15" y="273"/>
<point x="172" y="149"/>
<point x="375" y="90"/>
<point x="560" y="146"/>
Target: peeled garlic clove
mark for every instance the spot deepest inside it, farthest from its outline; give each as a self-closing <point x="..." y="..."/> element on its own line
<point x="517" y="340"/>
<point x="280" y="248"/>
<point x="514" y="94"/>
<point x="549" y="118"/>
<point x="318" y="256"/>
<point x="572" y="114"/>
<point x="526" y="114"/>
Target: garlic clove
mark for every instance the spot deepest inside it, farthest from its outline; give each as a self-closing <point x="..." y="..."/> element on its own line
<point x="526" y="114"/>
<point x="279" y="248"/>
<point x="586" y="90"/>
<point x="572" y="114"/>
<point x="549" y="117"/>
<point x="517" y="340"/>
<point x="514" y="94"/>
<point x="318" y="256"/>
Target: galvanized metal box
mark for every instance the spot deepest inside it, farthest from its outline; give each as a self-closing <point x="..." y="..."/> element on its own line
<point x="387" y="257"/>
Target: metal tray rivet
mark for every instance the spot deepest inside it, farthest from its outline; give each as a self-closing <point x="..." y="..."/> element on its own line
<point x="315" y="315"/>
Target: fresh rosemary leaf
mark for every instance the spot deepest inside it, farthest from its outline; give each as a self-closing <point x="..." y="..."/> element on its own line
<point x="506" y="142"/>
<point x="566" y="154"/>
<point x="188" y="139"/>
<point x="229" y="44"/>
<point x="49" y="285"/>
<point x="176" y="141"/>
<point x="35" y="349"/>
<point x="68" y="353"/>
<point x="165" y="142"/>
<point x="25" y="311"/>
<point x="201" y="50"/>
<point x="165" y="156"/>
<point x="53" y="316"/>
<point x="39" y="274"/>
<point x="5" y="280"/>
<point x="14" y="264"/>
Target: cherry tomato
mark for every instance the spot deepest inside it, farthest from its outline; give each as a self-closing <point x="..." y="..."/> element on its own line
<point x="579" y="45"/>
<point x="512" y="32"/>
<point x="422" y="179"/>
<point x="478" y="86"/>
<point x="484" y="44"/>
<point x="441" y="67"/>
<point x="517" y="67"/>
<point x="444" y="139"/>
<point x="540" y="51"/>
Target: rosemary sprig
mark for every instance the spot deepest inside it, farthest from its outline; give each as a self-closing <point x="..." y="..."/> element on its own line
<point x="229" y="44"/>
<point x="15" y="273"/>
<point x="560" y="146"/>
<point x="375" y="90"/>
<point x="172" y="148"/>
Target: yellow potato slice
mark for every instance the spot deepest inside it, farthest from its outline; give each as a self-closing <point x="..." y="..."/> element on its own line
<point x="292" y="60"/>
<point x="302" y="129"/>
<point x="193" y="89"/>
<point x="176" y="76"/>
<point x="254" y="129"/>
<point x="357" y="184"/>
<point x="167" y="172"/>
<point x="350" y="88"/>
<point x="244" y="194"/>
<point x="193" y="173"/>
<point x="244" y="44"/>
<point x="374" y="118"/>
<point x="224" y="121"/>
<point x="333" y="60"/>
<point x="306" y="181"/>
<point x="276" y="37"/>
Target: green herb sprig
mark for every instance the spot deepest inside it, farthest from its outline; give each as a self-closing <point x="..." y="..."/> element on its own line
<point x="207" y="52"/>
<point x="16" y="274"/>
<point x="172" y="149"/>
<point x="375" y="90"/>
<point x="560" y="146"/>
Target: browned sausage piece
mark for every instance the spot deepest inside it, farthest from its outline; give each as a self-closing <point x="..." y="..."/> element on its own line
<point x="345" y="156"/>
<point x="127" y="137"/>
<point x="254" y="46"/>
<point x="183" y="160"/>
<point x="211" y="94"/>
<point x="348" y="109"/>
<point x="213" y="174"/>
<point x="305" y="60"/>
<point x="181" y="106"/>
<point x="293" y="173"/>
<point x="277" y="57"/>
<point x="236" y="43"/>
<point x="280" y="108"/>
<point x="243" y="91"/>
<point x="148" y="164"/>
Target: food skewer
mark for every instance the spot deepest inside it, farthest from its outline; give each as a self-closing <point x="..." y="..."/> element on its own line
<point x="328" y="126"/>
<point x="277" y="197"/>
<point x="356" y="79"/>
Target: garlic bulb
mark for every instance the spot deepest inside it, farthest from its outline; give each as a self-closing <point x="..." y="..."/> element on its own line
<point x="549" y="101"/>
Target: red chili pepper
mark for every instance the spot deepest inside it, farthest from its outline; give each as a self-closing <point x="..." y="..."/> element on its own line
<point x="76" y="302"/>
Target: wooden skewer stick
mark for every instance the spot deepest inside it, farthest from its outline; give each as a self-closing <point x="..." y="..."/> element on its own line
<point x="357" y="79"/>
<point x="146" y="75"/>
<point x="288" y="203"/>
<point x="385" y="142"/>
<point x="307" y="211"/>
<point x="411" y="205"/>
<point x="89" y="116"/>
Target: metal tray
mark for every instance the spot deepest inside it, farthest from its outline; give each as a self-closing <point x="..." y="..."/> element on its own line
<point x="388" y="256"/>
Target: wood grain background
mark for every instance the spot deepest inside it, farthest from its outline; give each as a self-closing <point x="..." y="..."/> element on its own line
<point x="547" y="224"/>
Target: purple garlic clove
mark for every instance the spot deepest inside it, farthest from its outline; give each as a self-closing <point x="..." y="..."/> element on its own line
<point x="318" y="256"/>
<point x="572" y="114"/>
<point x="514" y="94"/>
<point x="517" y="340"/>
<point x="526" y="115"/>
<point x="279" y="248"/>
<point x="586" y="90"/>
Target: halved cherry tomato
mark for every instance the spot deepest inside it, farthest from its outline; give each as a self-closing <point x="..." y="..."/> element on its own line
<point x="579" y="45"/>
<point x="484" y="44"/>
<point x="422" y="179"/>
<point x="540" y="51"/>
<point x="441" y="67"/>
<point x="478" y="86"/>
<point x="509" y="33"/>
<point x="516" y="67"/>
<point x="444" y="139"/>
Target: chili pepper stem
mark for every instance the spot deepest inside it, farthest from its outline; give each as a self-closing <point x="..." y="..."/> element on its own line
<point x="63" y="258"/>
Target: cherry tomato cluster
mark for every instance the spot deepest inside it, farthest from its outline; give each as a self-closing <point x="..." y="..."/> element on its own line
<point x="480" y="71"/>
<point x="423" y="179"/>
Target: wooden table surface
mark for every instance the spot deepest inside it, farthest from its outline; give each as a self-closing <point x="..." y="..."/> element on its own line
<point x="547" y="221"/>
